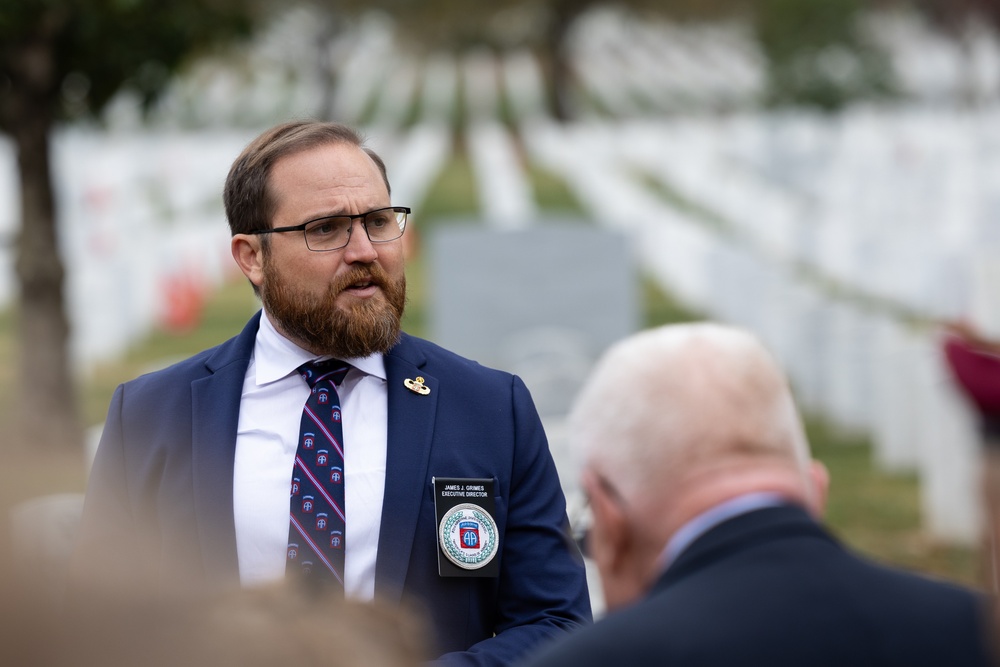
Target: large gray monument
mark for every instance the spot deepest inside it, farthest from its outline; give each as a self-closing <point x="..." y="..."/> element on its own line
<point x="542" y="302"/>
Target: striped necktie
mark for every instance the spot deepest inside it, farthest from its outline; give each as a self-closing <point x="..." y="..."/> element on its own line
<point x="316" y="517"/>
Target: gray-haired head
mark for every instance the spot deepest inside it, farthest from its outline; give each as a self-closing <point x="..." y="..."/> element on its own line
<point x="678" y="400"/>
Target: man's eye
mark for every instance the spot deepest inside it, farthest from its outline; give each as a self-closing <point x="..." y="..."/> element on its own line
<point x="377" y="220"/>
<point x="325" y="228"/>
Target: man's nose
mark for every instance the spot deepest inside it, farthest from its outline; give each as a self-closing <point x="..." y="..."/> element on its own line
<point x="359" y="247"/>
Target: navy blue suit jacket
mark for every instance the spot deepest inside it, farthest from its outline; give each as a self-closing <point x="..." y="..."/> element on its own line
<point x="164" y="469"/>
<point x="772" y="588"/>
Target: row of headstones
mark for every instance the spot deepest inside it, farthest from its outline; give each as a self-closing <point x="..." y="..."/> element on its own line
<point x="627" y="61"/>
<point x="370" y="70"/>
<point x="936" y="68"/>
<point x="632" y="66"/>
<point x="135" y="212"/>
<point x="139" y="230"/>
<point x="899" y="205"/>
<point x="860" y="367"/>
<point x="920" y="240"/>
<point x="626" y="65"/>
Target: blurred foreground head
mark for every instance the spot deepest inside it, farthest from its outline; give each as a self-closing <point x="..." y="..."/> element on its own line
<point x="255" y="627"/>
<point x="672" y="422"/>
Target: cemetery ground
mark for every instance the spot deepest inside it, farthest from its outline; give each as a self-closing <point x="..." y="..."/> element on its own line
<point x="875" y="512"/>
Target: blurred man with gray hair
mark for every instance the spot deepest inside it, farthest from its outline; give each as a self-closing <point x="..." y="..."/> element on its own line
<point x="706" y="531"/>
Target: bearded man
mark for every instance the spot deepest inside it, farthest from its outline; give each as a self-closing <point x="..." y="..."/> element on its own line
<point x="323" y="444"/>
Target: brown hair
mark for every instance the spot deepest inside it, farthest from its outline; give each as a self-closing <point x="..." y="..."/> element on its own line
<point x="249" y="205"/>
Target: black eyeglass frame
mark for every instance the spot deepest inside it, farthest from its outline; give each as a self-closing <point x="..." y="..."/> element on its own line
<point x="350" y="230"/>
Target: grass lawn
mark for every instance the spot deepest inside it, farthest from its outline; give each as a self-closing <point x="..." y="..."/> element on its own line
<point x="879" y="514"/>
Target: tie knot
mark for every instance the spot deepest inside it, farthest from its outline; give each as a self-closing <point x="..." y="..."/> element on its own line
<point x="332" y="370"/>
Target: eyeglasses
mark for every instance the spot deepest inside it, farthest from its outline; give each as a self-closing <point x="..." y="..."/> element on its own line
<point x="334" y="232"/>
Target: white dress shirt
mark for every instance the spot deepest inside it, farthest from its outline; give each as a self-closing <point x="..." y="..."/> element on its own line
<point x="270" y="412"/>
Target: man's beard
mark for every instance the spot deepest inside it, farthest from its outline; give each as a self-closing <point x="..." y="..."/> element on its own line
<point x="316" y="323"/>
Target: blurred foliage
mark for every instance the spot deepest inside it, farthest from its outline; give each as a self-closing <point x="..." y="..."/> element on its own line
<point x="76" y="54"/>
<point x="818" y="54"/>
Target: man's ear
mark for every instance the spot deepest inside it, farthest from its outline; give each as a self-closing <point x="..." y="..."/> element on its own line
<point x="616" y="546"/>
<point x="248" y="253"/>
<point x="611" y="532"/>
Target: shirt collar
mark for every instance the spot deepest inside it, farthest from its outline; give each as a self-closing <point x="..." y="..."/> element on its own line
<point x="712" y="517"/>
<point x="276" y="357"/>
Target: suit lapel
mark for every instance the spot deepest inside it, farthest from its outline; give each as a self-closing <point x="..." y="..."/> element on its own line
<point x="410" y="433"/>
<point x="215" y="410"/>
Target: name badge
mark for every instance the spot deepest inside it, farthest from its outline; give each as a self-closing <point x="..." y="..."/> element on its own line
<point x="468" y="537"/>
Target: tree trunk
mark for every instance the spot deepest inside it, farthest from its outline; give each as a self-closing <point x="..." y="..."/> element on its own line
<point x="326" y="71"/>
<point x="558" y="70"/>
<point x="556" y="60"/>
<point x="47" y="413"/>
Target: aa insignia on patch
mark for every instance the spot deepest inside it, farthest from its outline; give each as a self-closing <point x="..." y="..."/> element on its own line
<point x="468" y="536"/>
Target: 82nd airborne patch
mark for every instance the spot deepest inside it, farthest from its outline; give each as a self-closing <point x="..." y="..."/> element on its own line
<point x="468" y="536"/>
<point x="468" y="533"/>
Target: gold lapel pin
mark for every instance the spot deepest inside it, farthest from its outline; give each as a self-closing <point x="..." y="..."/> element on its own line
<point x="417" y="386"/>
